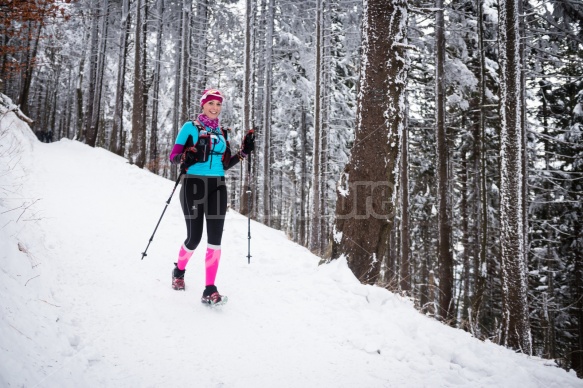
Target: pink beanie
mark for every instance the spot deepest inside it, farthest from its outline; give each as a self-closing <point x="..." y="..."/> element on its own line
<point x="209" y="95"/>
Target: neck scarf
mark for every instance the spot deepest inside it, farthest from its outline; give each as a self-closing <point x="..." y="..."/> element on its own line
<point x="204" y="120"/>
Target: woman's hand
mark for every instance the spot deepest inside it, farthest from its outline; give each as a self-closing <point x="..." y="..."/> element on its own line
<point x="249" y="142"/>
<point x="188" y="158"/>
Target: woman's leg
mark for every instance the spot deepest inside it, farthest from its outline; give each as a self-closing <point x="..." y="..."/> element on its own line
<point x="215" y="211"/>
<point x="192" y="198"/>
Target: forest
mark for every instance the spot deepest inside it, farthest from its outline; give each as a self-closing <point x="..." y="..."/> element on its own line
<point x="434" y="145"/>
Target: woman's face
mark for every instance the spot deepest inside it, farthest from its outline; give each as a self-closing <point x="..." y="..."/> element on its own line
<point x="212" y="109"/>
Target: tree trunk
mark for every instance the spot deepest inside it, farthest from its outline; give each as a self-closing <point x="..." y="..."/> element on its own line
<point x="303" y="192"/>
<point x="316" y="205"/>
<point x="405" y="272"/>
<point x="267" y="81"/>
<point x="138" y="143"/>
<point x="154" y="159"/>
<point x="185" y="60"/>
<point x="94" y="119"/>
<point x="247" y="96"/>
<point x="176" y="107"/>
<point x="364" y="213"/>
<point x="480" y="269"/>
<point x="30" y="59"/>
<point x="516" y="326"/>
<point x="118" y="128"/>
<point x="445" y="258"/>
<point x="200" y="46"/>
<point x="93" y="59"/>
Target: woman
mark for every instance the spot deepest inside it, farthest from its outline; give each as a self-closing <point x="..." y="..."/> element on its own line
<point x="203" y="152"/>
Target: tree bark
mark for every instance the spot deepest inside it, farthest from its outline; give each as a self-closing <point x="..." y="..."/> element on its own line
<point x="364" y="213"/>
<point x="30" y="59"/>
<point x="445" y="257"/>
<point x="316" y="205"/>
<point x="267" y="81"/>
<point x="185" y="60"/>
<point x="516" y="327"/>
<point x="154" y="160"/>
<point x="93" y="59"/>
<point x="93" y="128"/>
<point x="200" y="46"/>
<point x="118" y="128"/>
<point x="138" y="142"/>
<point x="405" y="272"/>
<point x="247" y="97"/>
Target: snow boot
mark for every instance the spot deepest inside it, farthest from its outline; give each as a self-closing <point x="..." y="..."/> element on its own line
<point x="211" y="296"/>
<point x="178" y="278"/>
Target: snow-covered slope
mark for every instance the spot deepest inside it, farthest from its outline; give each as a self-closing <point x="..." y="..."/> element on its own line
<point x="80" y="309"/>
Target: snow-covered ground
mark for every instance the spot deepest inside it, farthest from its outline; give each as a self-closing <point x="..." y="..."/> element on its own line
<point x="80" y="309"/>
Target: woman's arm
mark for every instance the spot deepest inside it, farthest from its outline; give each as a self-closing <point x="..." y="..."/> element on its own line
<point x="188" y="129"/>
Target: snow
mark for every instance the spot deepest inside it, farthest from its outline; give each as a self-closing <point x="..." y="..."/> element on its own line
<point x="80" y="309"/>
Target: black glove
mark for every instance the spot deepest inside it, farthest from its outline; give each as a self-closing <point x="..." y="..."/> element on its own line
<point x="188" y="158"/>
<point x="249" y="142"/>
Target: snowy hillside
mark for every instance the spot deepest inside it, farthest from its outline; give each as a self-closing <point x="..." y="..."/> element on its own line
<point x="80" y="309"/>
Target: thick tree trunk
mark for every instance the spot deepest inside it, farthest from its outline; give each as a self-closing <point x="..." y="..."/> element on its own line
<point x="516" y="326"/>
<point x="364" y="211"/>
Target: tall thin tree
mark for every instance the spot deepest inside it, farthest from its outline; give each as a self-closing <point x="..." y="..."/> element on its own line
<point x="516" y="326"/>
<point x="267" y="84"/>
<point x="445" y="258"/>
<point x="156" y="88"/>
<point x="248" y="92"/>
<point x="118" y="128"/>
<point x="316" y="197"/>
<point x="138" y="144"/>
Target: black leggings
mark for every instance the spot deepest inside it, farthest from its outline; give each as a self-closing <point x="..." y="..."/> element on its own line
<point x="203" y="197"/>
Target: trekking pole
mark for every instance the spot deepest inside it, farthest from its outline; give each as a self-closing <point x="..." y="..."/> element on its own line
<point x="249" y="208"/>
<point x="164" y="211"/>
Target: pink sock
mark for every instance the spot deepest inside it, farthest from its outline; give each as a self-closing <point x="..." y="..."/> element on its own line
<point x="213" y="256"/>
<point x="183" y="257"/>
